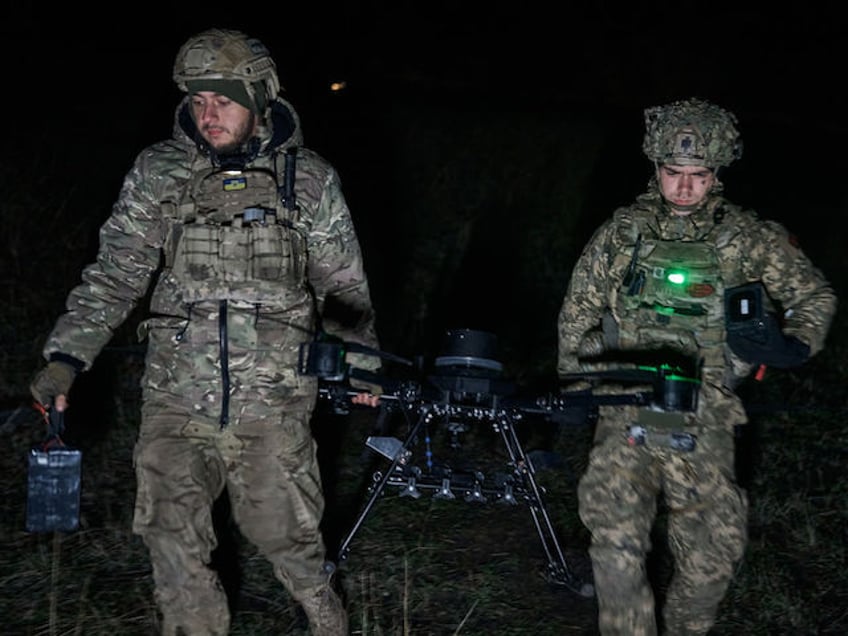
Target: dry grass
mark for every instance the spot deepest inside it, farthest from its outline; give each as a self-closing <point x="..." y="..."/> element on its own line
<point x="429" y="566"/>
<point x="418" y="567"/>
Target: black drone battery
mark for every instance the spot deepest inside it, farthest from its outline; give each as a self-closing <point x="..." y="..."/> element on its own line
<point x="53" y="490"/>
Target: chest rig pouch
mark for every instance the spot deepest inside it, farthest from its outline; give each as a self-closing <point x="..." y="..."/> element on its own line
<point x="672" y="296"/>
<point x="236" y="240"/>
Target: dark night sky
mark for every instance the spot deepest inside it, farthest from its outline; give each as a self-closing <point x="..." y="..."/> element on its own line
<point x="87" y="71"/>
<point x="99" y="87"/>
<point x="94" y="87"/>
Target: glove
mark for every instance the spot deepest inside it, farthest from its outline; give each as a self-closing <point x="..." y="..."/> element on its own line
<point x="769" y="346"/>
<point x="54" y="379"/>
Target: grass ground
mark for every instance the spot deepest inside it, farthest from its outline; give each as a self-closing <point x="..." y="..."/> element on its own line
<point x="429" y="566"/>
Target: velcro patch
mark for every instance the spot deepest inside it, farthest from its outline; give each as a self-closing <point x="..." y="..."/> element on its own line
<point x="233" y="184"/>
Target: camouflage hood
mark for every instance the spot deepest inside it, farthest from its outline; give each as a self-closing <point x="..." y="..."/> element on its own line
<point x="282" y="131"/>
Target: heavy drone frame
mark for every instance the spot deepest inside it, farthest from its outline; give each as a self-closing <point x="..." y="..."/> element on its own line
<point x="463" y="387"/>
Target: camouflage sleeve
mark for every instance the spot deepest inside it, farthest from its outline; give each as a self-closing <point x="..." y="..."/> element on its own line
<point x="801" y="290"/>
<point x="337" y="273"/>
<point x="111" y="286"/>
<point x="586" y="298"/>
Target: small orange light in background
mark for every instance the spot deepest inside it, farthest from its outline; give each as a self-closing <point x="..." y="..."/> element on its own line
<point x="338" y="86"/>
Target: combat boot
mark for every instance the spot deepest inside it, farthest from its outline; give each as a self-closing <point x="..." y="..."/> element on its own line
<point x="325" y="611"/>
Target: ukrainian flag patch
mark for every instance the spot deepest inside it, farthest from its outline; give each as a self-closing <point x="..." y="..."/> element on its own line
<point x="232" y="184"/>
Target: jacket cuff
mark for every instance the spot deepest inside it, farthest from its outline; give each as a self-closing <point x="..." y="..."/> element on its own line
<point x="78" y="365"/>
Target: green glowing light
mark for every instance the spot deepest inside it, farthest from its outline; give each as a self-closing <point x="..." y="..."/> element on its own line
<point x="676" y="277"/>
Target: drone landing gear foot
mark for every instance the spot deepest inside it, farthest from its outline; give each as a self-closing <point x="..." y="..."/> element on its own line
<point x="556" y="576"/>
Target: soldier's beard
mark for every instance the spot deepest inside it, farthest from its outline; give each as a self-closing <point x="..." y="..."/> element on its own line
<point x="241" y="136"/>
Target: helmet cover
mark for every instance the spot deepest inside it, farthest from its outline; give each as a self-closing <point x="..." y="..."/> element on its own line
<point x="691" y="132"/>
<point x="223" y="54"/>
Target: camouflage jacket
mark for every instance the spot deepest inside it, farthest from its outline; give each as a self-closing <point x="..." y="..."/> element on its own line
<point x="136" y="239"/>
<point x="747" y="248"/>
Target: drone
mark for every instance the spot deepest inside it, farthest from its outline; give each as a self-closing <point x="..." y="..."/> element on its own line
<point x="461" y="388"/>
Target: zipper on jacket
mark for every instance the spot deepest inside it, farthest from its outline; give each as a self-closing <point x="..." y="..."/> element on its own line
<point x="223" y="353"/>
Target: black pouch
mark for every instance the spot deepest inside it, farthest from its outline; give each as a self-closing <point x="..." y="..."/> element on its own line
<point x="754" y="333"/>
<point x="53" y="483"/>
<point x="53" y="490"/>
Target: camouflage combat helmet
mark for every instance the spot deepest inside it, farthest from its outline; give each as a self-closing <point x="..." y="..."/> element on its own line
<point x="691" y="132"/>
<point x="226" y="58"/>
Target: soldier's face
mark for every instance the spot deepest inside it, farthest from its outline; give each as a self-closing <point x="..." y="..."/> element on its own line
<point x="684" y="187"/>
<point x="223" y="123"/>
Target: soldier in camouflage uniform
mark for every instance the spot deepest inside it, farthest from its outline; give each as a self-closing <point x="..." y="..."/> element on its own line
<point x="247" y="238"/>
<point x="622" y="305"/>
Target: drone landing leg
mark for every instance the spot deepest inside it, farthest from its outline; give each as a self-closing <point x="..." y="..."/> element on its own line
<point x="558" y="570"/>
<point x="401" y="454"/>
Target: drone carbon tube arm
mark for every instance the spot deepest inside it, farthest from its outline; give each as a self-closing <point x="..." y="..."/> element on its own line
<point x="575" y="408"/>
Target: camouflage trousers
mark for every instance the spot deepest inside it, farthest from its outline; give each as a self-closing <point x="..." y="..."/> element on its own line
<point x="268" y="466"/>
<point x="619" y="497"/>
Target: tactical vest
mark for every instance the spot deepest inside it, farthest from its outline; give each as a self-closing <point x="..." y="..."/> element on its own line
<point x="673" y="296"/>
<point x="235" y="240"/>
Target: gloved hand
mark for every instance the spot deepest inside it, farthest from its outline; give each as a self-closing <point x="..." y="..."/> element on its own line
<point x="769" y="346"/>
<point x="53" y="380"/>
